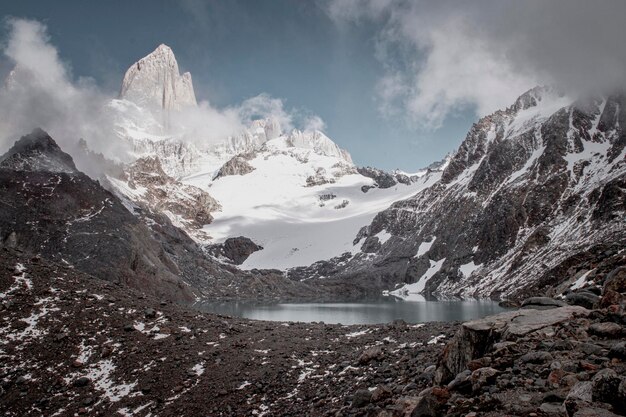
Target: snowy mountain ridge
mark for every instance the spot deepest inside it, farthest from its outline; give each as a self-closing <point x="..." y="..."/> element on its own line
<point x="533" y="198"/>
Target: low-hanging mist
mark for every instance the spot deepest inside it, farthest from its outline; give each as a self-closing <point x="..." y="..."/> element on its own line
<point x="41" y="91"/>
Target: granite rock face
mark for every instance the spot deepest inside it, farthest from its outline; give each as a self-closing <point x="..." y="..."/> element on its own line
<point x="155" y="82"/>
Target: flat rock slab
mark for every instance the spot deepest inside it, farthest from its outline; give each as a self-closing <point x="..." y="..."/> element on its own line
<point x="514" y="324"/>
<point x="534" y="302"/>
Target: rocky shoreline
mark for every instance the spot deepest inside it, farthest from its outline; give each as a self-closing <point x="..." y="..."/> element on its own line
<point x="74" y="345"/>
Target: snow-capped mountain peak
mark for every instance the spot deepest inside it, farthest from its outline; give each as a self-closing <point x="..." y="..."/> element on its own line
<point x="267" y="177"/>
<point x="155" y="81"/>
<point x="319" y="143"/>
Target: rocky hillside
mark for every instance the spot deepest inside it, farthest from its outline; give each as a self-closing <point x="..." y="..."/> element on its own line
<point x="51" y="209"/>
<point x="146" y="188"/>
<point x="72" y="344"/>
<point x="533" y="197"/>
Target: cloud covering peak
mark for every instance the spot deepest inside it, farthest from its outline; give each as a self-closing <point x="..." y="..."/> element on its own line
<point x="440" y="57"/>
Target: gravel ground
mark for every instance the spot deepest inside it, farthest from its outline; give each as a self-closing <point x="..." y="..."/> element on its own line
<point x="74" y="345"/>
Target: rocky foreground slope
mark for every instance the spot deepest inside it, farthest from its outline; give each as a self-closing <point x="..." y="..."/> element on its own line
<point x="71" y="344"/>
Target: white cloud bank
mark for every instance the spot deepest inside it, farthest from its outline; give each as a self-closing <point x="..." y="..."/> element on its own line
<point x="446" y="55"/>
<point x="41" y="92"/>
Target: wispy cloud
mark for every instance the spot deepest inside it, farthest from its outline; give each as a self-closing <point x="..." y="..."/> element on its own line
<point x="314" y="123"/>
<point x="41" y="92"/>
<point x="450" y="54"/>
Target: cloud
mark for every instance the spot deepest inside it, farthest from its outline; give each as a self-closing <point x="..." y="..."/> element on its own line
<point x="314" y="123"/>
<point x="350" y="10"/>
<point x="442" y="56"/>
<point x="264" y="106"/>
<point x="207" y="124"/>
<point x="41" y="92"/>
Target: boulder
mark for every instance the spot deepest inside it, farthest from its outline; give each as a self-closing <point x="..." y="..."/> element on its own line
<point x="604" y="386"/>
<point x="607" y="329"/>
<point x="369" y="354"/>
<point x="542" y="303"/>
<point x="235" y="249"/>
<point x="431" y="402"/>
<point x="477" y="337"/>
<point x="461" y="382"/>
<point x="585" y="299"/>
<point x="615" y="280"/>
<point x="361" y="398"/>
<point x="482" y="377"/>
<point x="380" y="393"/>
<point x="475" y="364"/>
<point x="404" y="406"/>
<point x="82" y="381"/>
<point x="580" y="396"/>
<point x="594" y="412"/>
<point x="552" y="409"/>
<point x="427" y="376"/>
<point x="610" y="298"/>
<point x="554" y="397"/>
<point x="618" y="350"/>
<point x="620" y="402"/>
<point x="536" y="357"/>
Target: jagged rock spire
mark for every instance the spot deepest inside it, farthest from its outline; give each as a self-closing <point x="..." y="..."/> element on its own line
<point x="155" y="81"/>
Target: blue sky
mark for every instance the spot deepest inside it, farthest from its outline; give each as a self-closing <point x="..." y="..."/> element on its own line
<point x="398" y="83"/>
<point x="238" y="49"/>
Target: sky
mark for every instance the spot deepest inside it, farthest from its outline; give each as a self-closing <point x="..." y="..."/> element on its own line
<point x="397" y="83"/>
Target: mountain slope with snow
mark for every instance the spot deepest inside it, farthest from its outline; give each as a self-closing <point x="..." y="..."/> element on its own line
<point x="52" y="210"/>
<point x="301" y="206"/>
<point x="533" y="196"/>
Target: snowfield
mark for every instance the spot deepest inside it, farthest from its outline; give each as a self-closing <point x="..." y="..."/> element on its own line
<point x="274" y="207"/>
